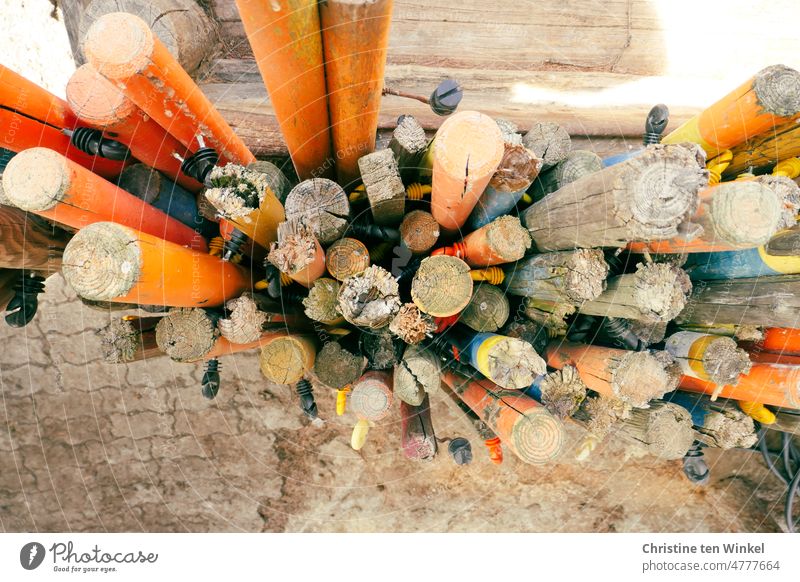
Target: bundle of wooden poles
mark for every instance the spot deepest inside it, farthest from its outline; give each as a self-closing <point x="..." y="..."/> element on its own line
<point x="653" y="295"/>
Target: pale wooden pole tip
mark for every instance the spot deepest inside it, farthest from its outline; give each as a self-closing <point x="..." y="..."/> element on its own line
<point x="95" y="99"/>
<point x="36" y="179"/>
<point x="538" y="436"/>
<point x="186" y="334"/>
<point x="746" y="214"/>
<point x="778" y="90"/>
<point x="103" y="261"/>
<point x="119" y="45"/>
<point x="442" y="286"/>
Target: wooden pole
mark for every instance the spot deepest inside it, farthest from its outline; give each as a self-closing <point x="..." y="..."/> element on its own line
<point x="297" y="253"/>
<point x="561" y="391"/>
<point x="370" y="299"/>
<point x="634" y="377"/>
<point x="337" y="367"/>
<point x="644" y="198"/>
<point x="322" y="205"/>
<point x="32" y="117"/>
<point x="411" y="325"/>
<point x="773" y="384"/>
<point x="524" y="426"/>
<point x="8" y="277"/>
<point x="709" y="357"/>
<point x="717" y="424"/>
<point x="748" y="263"/>
<point x="770" y="97"/>
<point x="287" y="44"/>
<point x="123" y="49"/>
<point x="286" y="360"/>
<point x="244" y="322"/>
<point x="417" y="375"/>
<point x="419" y="231"/>
<point x="111" y="262"/>
<point x="355" y="38"/>
<point x="46" y="183"/>
<point x="29" y="243"/>
<point x="408" y="144"/>
<point x="130" y="339"/>
<point x="488" y="310"/>
<point x="385" y="190"/>
<point x="100" y="104"/>
<point x="372" y="397"/>
<point x="731" y="215"/>
<point x="655" y="292"/>
<point x="441" y="286"/>
<point x="765" y="150"/>
<point x="418" y="439"/>
<point x="346" y="257"/>
<point x="549" y="141"/>
<point x="785" y="243"/>
<point x="664" y="429"/>
<point x="577" y="164"/>
<point x="529" y="331"/>
<point x="600" y="414"/>
<point x="382" y="349"/>
<point x="761" y="301"/>
<point x="320" y="304"/>
<point x="566" y="277"/>
<point x="466" y="152"/>
<point x="248" y="199"/>
<point x="504" y="240"/>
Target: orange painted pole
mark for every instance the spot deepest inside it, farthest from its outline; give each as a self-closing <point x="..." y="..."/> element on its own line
<point x="774" y="384"/>
<point x="523" y="425"/>
<point x="355" y="39"/>
<point x="111" y="262"/>
<point x="46" y="183"/>
<point x="123" y="49"/>
<point x="33" y="117"/>
<point x="504" y="240"/>
<point x="780" y="340"/>
<point x="287" y="44"/>
<point x="99" y="104"/>
<point x="465" y="154"/>
<point x="225" y="347"/>
<point x="769" y="98"/>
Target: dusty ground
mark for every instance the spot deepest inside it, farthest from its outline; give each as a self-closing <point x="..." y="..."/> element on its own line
<point x="87" y="446"/>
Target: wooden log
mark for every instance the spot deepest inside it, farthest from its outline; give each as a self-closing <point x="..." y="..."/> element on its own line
<point x="382" y="349"/>
<point x="664" y="429"/>
<point x="346" y="257"/>
<point x="123" y="49"/>
<point x="576" y="165"/>
<point x="297" y="253"/>
<point x="770" y="97"/>
<point x="504" y="240"/>
<point x="717" y="424"/>
<point x="387" y="195"/>
<point x="355" y="37"/>
<point x="320" y="304"/>
<point x="286" y="360"/>
<point x="33" y="117"/>
<point x="566" y="277"/>
<point x="417" y="437"/>
<point x="408" y="143"/>
<point x="29" y="243"/>
<point x="100" y="104"/>
<point x="130" y="339"/>
<point x="441" y="286"/>
<point x="765" y="150"/>
<point x="773" y="384"/>
<point x="561" y="391"/>
<point x="465" y="154"/>
<point x="322" y="205"/>
<point x="337" y="367"/>
<point x="372" y="397"/>
<point x="524" y="426"/>
<point x="634" y="377"/>
<point x="248" y="200"/>
<point x="419" y="231"/>
<point x="417" y="375"/>
<point x="600" y="414"/>
<point x="244" y="322"/>
<point x="645" y="198"/>
<point x="287" y="44"/>
<point x="111" y="262"/>
<point x="549" y="141"/>
<point x="731" y="215"/>
<point x="46" y="183"/>
<point x="370" y="299"/>
<point x="488" y="310"/>
<point x="411" y="325"/>
<point x="761" y="301"/>
<point x="655" y="292"/>
<point x="709" y="357"/>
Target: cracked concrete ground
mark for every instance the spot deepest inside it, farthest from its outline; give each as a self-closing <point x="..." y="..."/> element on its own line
<point x="89" y="446"/>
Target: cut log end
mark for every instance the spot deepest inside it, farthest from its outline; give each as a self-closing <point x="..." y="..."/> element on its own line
<point x="549" y="141"/>
<point x="120" y="341"/>
<point x="513" y="363"/>
<point x="419" y="231"/>
<point x="95" y="100"/>
<point x="322" y="205"/>
<point x="639" y="377"/>
<point x="186" y="335"/>
<point x="320" y="304"/>
<point x="442" y="286"/>
<point x="538" y="437"/>
<point x="563" y="391"/>
<point x="417" y="374"/>
<point x="577" y="164"/>
<point x="603" y="413"/>
<point x="488" y="310"/>
<point x="777" y="89"/>
<point x="507" y="238"/>
<point x="285" y="360"/>
<point x="667" y="429"/>
<point x="728" y="429"/>
<point x="517" y="169"/>
<point x="383" y="350"/>
<point x="346" y="257"/>
<point x="245" y="322"/>
<point x="411" y="325"/>
<point x="661" y="291"/>
<point x="36" y="179"/>
<point x="385" y="190"/>
<point x="586" y="272"/>
<point x="337" y="367"/>
<point x="371" y="399"/>
<point x="295" y="249"/>
<point x="119" y="45"/>
<point x="370" y="299"/>
<point x="788" y="193"/>
<point x="746" y="214"/>
<point x="102" y="261"/>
